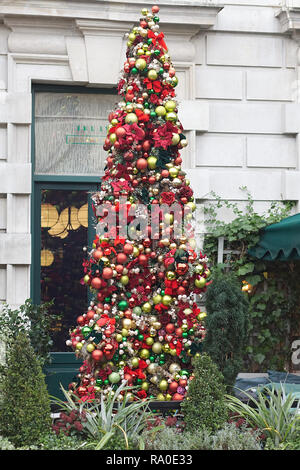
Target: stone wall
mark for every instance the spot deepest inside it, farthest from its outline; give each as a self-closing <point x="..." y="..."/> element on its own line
<point x="238" y="66"/>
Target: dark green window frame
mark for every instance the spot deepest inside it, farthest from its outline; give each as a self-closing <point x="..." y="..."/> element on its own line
<point x="52" y="182"/>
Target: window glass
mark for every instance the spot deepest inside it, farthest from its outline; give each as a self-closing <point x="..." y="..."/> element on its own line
<point x="64" y="233"/>
<point x="70" y="129"/>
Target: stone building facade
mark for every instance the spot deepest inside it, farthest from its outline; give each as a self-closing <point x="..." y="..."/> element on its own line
<point x="238" y="65"/>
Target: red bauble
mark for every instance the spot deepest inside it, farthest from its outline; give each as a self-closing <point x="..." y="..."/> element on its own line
<point x="170" y="328"/>
<point x="178" y="332"/>
<point x="141" y="164"/>
<point x="97" y="355"/>
<point x="143" y="260"/>
<point x="120" y="132"/>
<point x="146" y="145"/>
<point x="96" y="283"/>
<point x="90" y="314"/>
<point x="107" y="273"/>
<point x="131" y="61"/>
<point x="121" y="258"/>
<point x="182" y="382"/>
<point x="178" y="397"/>
<point x="164" y="173"/>
<point x="128" y="249"/>
<point x="97" y="254"/>
<point x="152" y="180"/>
<point x="129" y="378"/>
<point x="80" y="320"/>
<point x="129" y="96"/>
<point x="135" y="183"/>
<point x="81" y="391"/>
<point x="119" y="268"/>
<point x="173" y="387"/>
<point x="155" y="9"/>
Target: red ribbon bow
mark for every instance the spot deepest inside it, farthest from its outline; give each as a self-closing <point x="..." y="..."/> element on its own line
<point x="157" y="38"/>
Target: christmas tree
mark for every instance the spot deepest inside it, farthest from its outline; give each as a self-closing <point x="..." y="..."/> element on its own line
<point x="143" y="325"/>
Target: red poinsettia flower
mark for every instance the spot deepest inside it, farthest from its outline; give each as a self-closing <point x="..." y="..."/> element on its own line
<point x="142" y="394"/>
<point x="163" y="135"/>
<point x="167" y="198"/>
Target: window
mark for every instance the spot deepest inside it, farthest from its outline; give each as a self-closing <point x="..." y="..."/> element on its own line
<point x="69" y="128"/>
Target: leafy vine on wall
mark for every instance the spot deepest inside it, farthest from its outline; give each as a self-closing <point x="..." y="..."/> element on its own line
<point x="272" y="286"/>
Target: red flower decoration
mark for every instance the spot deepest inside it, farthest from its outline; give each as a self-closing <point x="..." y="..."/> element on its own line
<point x="163" y="135"/>
<point x="167" y="198"/>
<point x="142" y="394"/>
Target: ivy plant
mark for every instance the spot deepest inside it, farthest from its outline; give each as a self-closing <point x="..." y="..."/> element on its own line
<point x="272" y="287"/>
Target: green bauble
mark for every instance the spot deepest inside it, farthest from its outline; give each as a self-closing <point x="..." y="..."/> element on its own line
<point x="114" y="377"/>
<point x="86" y="331"/>
<point x="122" y="305"/>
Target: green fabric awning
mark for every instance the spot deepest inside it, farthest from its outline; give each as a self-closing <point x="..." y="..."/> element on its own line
<point x="279" y="241"/>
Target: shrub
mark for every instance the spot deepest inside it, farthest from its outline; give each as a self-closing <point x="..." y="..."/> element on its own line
<point x="227" y="438"/>
<point x="25" y="406"/>
<point x="272" y="412"/>
<point x="204" y="405"/>
<point x="227" y="325"/>
<point x="5" y="444"/>
<point x="35" y="320"/>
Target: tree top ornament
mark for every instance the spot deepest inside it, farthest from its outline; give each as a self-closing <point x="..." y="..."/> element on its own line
<point x="143" y="325"/>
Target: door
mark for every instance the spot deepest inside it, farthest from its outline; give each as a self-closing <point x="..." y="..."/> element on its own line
<point x="68" y="159"/>
<point x="64" y="234"/>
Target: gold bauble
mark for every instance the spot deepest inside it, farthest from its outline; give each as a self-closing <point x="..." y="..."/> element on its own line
<point x="160" y="111"/>
<point x="171" y="275"/>
<point x="149" y="341"/>
<point x="124" y="332"/>
<point x="169" y="218"/>
<point x="175" y="139"/>
<point x="157" y="347"/>
<point x="145" y="386"/>
<point x="171" y="116"/>
<point x="147" y="307"/>
<point x="131" y="118"/>
<point x="152" y="162"/>
<point x="152" y="74"/>
<point x="135" y="362"/>
<point x="163" y="385"/>
<point x="127" y="323"/>
<point x="167" y="300"/>
<point x="160" y="397"/>
<point x="140" y="64"/>
<point x="154" y="379"/>
<point x="144" y="354"/>
<point x="198" y="269"/>
<point x="176" y="182"/>
<point x="124" y="280"/>
<point x="119" y="338"/>
<point x="192" y="206"/>
<point x="200" y="282"/>
<point x="170" y="105"/>
<point x="174" y="368"/>
<point x="152" y="368"/>
<point x="157" y="299"/>
<point x="157" y="325"/>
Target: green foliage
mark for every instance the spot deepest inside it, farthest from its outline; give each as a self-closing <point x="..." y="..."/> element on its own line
<point x="229" y="437"/>
<point x="36" y="320"/>
<point x="274" y="290"/>
<point x="227" y="324"/>
<point x="5" y="444"/>
<point x="111" y="420"/>
<point x="52" y="441"/>
<point x="272" y="412"/>
<point x="204" y="405"/>
<point x="25" y="405"/>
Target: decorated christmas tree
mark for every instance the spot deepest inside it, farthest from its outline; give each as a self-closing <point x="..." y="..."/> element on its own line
<point x="143" y="325"/>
